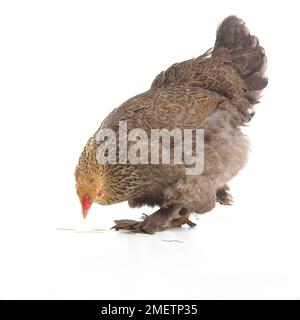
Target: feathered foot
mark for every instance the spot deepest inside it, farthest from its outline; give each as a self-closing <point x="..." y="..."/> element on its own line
<point x="182" y="219"/>
<point x="162" y="219"/>
<point x="224" y="197"/>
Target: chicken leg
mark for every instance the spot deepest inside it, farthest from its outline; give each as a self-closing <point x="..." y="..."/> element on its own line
<point x="223" y="196"/>
<point x="163" y="218"/>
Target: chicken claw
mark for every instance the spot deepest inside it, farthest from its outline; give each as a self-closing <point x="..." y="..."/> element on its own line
<point x="160" y="220"/>
<point x="224" y="197"/>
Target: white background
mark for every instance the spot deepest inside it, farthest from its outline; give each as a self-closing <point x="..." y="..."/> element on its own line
<point x="63" y="66"/>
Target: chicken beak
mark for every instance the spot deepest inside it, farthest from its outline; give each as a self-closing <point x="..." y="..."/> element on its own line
<point x="84" y="213"/>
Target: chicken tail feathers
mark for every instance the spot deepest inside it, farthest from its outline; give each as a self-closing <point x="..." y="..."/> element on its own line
<point x="246" y="54"/>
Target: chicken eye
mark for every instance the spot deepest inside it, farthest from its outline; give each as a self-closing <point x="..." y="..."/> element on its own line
<point x="100" y="194"/>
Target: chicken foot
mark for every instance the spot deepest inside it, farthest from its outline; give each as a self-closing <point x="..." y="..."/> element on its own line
<point x="163" y="218"/>
<point x="223" y="196"/>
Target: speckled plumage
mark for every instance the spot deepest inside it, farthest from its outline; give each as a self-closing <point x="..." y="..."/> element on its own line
<point x="216" y="92"/>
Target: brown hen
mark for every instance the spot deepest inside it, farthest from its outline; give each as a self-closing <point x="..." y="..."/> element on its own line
<point x="215" y="92"/>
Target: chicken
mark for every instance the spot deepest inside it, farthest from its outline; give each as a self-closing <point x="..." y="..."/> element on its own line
<point x="215" y="92"/>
